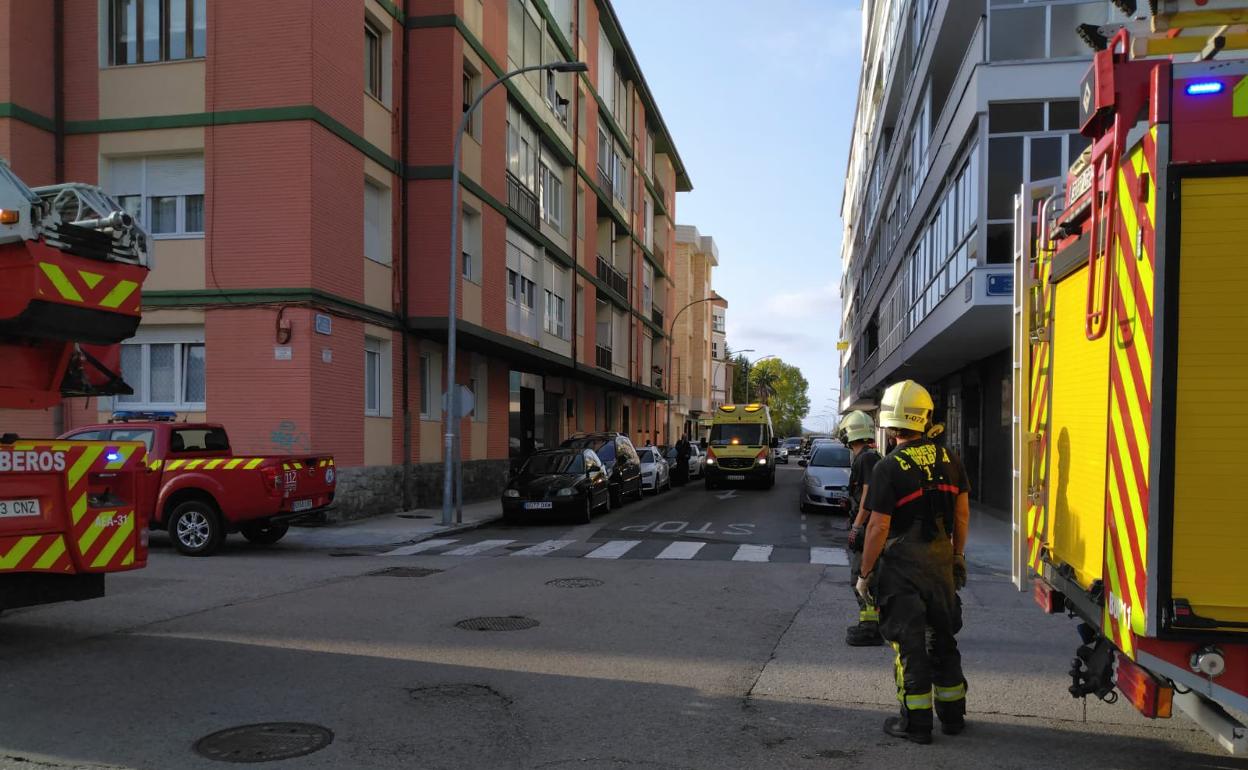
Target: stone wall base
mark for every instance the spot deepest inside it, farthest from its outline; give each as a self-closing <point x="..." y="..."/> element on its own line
<point x="373" y="490"/>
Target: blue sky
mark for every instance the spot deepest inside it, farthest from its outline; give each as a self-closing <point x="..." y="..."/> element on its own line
<point x="759" y="98"/>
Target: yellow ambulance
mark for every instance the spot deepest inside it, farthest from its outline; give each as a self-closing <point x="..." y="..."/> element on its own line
<point x="742" y="447"/>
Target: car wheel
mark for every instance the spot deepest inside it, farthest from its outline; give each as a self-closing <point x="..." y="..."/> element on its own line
<point x="709" y="483"/>
<point x="639" y="494"/>
<point x="264" y="534"/>
<point x="606" y="503"/>
<point x="588" y="515"/>
<point x="771" y="481"/>
<point x="196" y="528"/>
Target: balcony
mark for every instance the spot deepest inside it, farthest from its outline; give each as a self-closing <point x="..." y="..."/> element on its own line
<point x="604" y="181"/>
<point x="522" y="200"/>
<point x="656" y="377"/>
<point x="656" y="315"/>
<point x="602" y="357"/>
<point x="612" y="277"/>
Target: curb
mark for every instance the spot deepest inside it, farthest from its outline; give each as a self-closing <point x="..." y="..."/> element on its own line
<point x="454" y="529"/>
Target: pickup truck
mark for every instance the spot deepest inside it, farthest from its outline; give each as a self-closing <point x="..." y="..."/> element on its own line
<point x="198" y="490"/>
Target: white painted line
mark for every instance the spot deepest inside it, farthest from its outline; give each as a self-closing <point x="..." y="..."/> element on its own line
<point x="834" y="556"/>
<point x="613" y="549"/>
<point x="728" y="495"/>
<point x="472" y="549"/>
<point x="680" y="550"/>
<point x="752" y="553"/>
<point x="541" y="549"/>
<point x="408" y="550"/>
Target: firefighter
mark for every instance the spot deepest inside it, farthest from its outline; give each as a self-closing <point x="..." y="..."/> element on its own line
<point x="858" y="433"/>
<point x="912" y="564"/>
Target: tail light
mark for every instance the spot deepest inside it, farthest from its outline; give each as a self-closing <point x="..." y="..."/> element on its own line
<point x="1152" y="698"/>
<point x="710" y="456"/>
<point x="761" y="458"/>
<point x="272" y="476"/>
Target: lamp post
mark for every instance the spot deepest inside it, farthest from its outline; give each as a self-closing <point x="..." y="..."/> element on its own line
<point x="750" y="370"/>
<point x="671" y="329"/>
<point x="452" y="303"/>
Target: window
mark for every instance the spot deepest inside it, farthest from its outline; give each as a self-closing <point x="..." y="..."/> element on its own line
<point x="521" y="290"/>
<point x="376" y="222"/>
<point x="523" y="148"/>
<point x="142" y="31"/>
<point x="426" y="385"/>
<point x="165" y="192"/>
<point x="372" y="61"/>
<point x="377" y="386"/>
<point x="647" y="221"/>
<point x="649" y="151"/>
<point x="472" y="245"/>
<point x="647" y="287"/>
<point x="714" y="349"/>
<point x="619" y="175"/>
<point x="471" y="88"/>
<point x="1034" y="31"/>
<point x="199" y="440"/>
<point x="606" y="68"/>
<point x="165" y="374"/>
<point x="552" y="197"/>
<point x="556" y="315"/>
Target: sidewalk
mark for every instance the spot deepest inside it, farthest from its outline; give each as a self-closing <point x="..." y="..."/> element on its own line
<point x="393" y="528"/>
<point x="990" y="541"/>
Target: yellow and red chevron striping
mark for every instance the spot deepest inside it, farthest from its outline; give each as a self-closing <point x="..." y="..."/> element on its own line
<point x="105" y="286"/>
<point x="35" y="553"/>
<point x="1130" y="399"/>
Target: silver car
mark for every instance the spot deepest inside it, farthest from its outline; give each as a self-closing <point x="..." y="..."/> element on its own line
<point x="656" y="474"/>
<point x="825" y="483"/>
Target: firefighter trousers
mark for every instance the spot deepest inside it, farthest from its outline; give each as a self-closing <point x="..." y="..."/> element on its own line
<point x="919" y="615"/>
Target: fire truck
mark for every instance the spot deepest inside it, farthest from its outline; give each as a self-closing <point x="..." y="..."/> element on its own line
<point x="1129" y="392"/>
<point x="72" y="264"/>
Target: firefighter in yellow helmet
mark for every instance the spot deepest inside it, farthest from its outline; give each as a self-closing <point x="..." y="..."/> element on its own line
<point x="858" y="433"/>
<point x="912" y="564"/>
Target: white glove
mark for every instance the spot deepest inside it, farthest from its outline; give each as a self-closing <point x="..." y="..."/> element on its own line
<point x="862" y="588"/>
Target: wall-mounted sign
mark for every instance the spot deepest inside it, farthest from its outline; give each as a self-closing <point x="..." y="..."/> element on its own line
<point x="282" y="353"/>
<point x="1000" y="284"/>
<point x="327" y="356"/>
<point x="324" y="324"/>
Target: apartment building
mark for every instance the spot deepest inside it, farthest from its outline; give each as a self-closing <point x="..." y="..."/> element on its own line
<point x="293" y="166"/>
<point x="692" y="337"/>
<point x="721" y="367"/>
<point x="959" y="103"/>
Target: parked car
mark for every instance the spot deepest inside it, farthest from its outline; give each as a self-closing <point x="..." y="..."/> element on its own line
<point x="619" y="460"/>
<point x="792" y="445"/>
<point x="815" y="443"/>
<point x="571" y="482"/>
<point x="782" y="455"/>
<point x="697" y="460"/>
<point x="825" y="483"/>
<point x="656" y="474"/>
<point x="199" y="490"/>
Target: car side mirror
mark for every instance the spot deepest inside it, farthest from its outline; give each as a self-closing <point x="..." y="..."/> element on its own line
<point x="775" y="442"/>
<point x="802" y="463"/>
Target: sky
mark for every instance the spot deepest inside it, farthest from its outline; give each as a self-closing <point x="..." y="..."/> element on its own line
<point x="759" y="99"/>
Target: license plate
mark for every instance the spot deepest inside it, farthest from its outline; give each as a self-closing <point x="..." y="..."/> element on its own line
<point x="301" y="505"/>
<point x="735" y="478"/>
<point x="538" y="506"/>
<point x="12" y="509"/>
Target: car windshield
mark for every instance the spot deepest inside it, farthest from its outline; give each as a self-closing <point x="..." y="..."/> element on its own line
<point x="647" y="455"/>
<point x="724" y="434"/>
<point x="829" y="456"/>
<point x="555" y="462"/>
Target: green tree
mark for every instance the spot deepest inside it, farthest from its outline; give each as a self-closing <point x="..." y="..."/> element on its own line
<point x="740" y="365"/>
<point x="785" y="391"/>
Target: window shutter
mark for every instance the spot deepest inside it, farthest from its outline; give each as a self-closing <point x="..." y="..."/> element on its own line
<point x="175" y="175"/>
<point x="125" y="176"/>
<point x="372" y="223"/>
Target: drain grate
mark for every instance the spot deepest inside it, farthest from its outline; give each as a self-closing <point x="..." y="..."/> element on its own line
<point x="506" y="623"/>
<point x="407" y="572"/>
<point x="266" y="742"/>
<point x="578" y="582"/>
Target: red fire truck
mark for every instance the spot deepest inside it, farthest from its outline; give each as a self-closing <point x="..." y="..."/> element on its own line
<point x="72" y="264"/>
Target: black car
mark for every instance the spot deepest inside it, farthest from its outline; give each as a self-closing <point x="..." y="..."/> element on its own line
<point x="563" y="481"/>
<point x="622" y="464"/>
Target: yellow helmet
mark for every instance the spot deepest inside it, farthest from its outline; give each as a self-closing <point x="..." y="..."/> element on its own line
<point x="857" y="426"/>
<point x="906" y="405"/>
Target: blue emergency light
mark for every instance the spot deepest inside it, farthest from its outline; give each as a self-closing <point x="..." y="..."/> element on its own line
<point x="146" y="416"/>
<point x="112" y="457"/>
<point x="1204" y="88"/>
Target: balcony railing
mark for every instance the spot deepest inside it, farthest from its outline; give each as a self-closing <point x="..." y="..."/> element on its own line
<point x="656" y="377"/>
<point x="612" y="277"/>
<point x="604" y="180"/>
<point x="522" y="200"/>
<point x="656" y="315"/>
<point x="602" y="357"/>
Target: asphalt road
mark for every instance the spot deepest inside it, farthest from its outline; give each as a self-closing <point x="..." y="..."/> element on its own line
<point x="721" y="659"/>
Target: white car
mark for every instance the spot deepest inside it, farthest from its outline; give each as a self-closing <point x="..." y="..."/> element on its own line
<point x="697" y="460"/>
<point x="656" y="475"/>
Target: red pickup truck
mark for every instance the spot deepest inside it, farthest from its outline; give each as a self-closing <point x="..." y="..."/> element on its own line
<point x="198" y="490"/>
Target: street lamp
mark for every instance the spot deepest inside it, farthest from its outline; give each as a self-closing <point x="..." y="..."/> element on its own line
<point x="452" y="304"/>
<point x="749" y="370"/>
<point x="671" y="329"/>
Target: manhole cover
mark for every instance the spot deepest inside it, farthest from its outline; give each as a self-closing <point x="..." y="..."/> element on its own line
<point x="575" y="583"/>
<point x="507" y="623"/>
<point x="265" y="742"/>
<point x="415" y="516"/>
<point x="407" y="572"/>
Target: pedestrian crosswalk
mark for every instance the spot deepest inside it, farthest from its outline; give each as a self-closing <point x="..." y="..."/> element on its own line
<point x="657" y="549"/>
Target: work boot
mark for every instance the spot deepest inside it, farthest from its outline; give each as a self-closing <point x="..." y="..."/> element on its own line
<point x="952" y="714"/>
<point x="865" y="634"/>
<point x="897" y="727"/>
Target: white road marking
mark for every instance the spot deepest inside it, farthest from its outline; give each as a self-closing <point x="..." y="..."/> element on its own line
<point x="408" y="550"/>
<point x="752" y="553"/>
<point x="680" y="550"/>
<point x="727" y="495"/>
<point x="613" y="549"/>
<point x="472" y="549"/>
<point x="834" y="556"/>
<point x="541" y="549"/>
